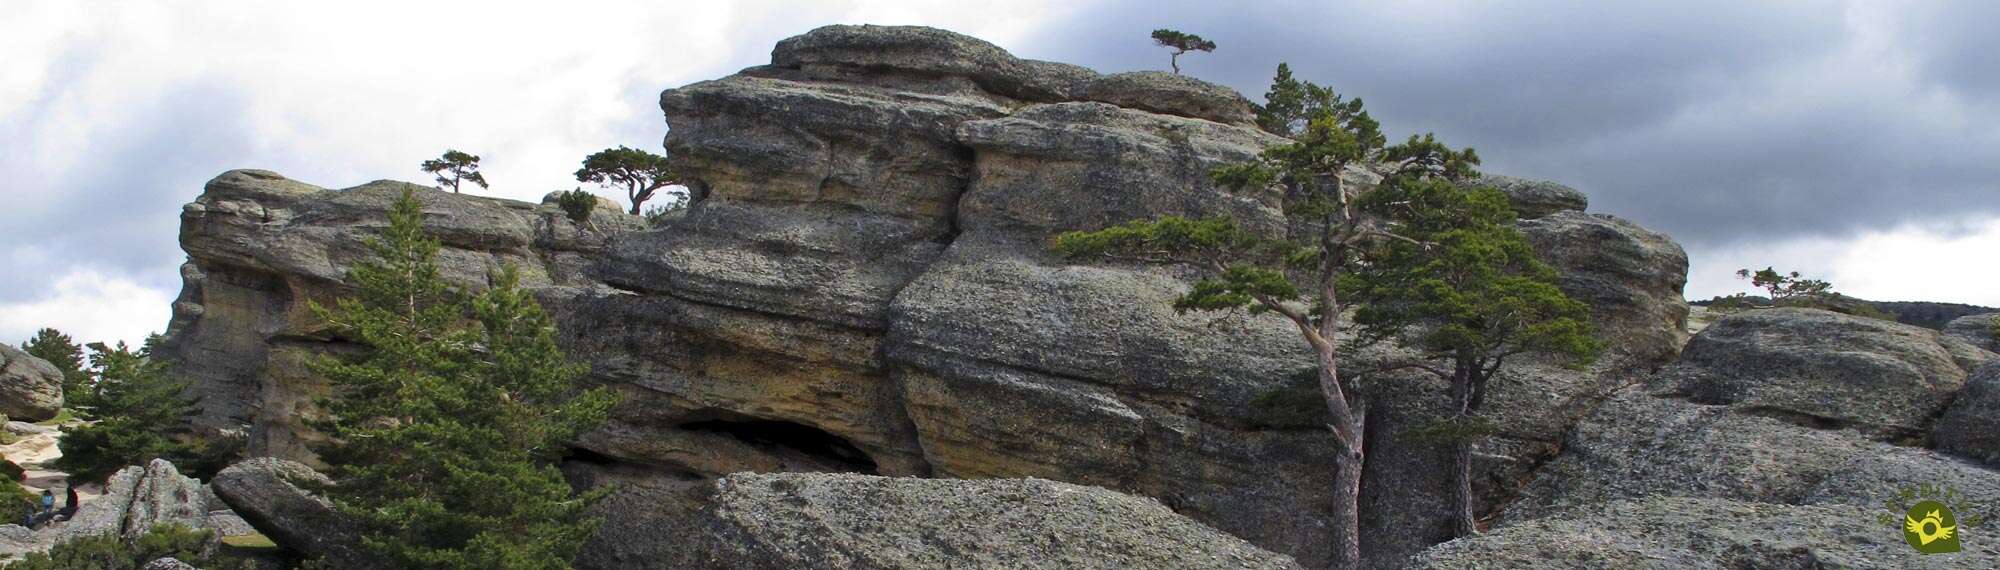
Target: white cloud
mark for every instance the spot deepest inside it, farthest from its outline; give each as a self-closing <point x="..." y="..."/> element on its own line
<point x="1909" y="263"/>
<point x="91" y="306"/>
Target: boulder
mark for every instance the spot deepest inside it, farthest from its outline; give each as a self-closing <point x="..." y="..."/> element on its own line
<point x="1971" y="426"/>
<point x="1172" y="94"/>
<point x="1535" y="198"/>
<point x="30" y="388"/>
<point x="1674" y="533"/>
<point x="798" y="520"/>
<point x="1631" y="278"/>
<point x="1819" y="366"/>
<point x="925" y="59"/>
<point x="272" y="495"/>
<point x="137" y="498"/>
<point x="1977" y="330"/>
<point x="168" y="563"/>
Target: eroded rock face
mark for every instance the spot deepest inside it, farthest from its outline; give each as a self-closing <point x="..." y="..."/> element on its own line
<point x="1535" y="198"/>
<point x="863" y="285"/>
<point x="1977" y="330"/>
<point x="133" y="500"/>
<point x="1877" y="376"/>
<point x="30" y="388"/>
<point x="1665" y="532"/>
<point x="1971" y="426"/>
<point x="270" y="494"/>
<point x="800" y="520"/>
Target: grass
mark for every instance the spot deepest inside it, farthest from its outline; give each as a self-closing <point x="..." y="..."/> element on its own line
<point x="250" y="542"/>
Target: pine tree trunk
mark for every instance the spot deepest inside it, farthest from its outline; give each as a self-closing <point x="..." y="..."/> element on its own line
<point x="1346" y="517"/>
<point x="1461" y="474"/>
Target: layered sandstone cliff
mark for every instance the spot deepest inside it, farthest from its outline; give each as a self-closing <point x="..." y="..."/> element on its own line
<point x="862" y="285"/>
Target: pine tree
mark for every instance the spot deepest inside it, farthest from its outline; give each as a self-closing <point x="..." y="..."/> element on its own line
<point x="445" y="433"/>
<point x="138" y="412"/>
<point x="57" y="348"/>
<point x="639" y="172"/>
<point x="1467" y="292"/>
<point x="453" y="168"/>
<point x="1181" y="43"/>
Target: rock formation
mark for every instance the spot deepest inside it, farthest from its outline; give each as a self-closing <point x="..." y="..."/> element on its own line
<point x="816" y="520"/>
<point x="133" y="501"/>
<point x="271" y="495"/>
<point x="30" y="388"/>
<point x="862" y="285"/>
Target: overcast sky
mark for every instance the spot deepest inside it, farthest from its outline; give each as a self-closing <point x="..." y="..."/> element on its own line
<point x="1854" y="141"/>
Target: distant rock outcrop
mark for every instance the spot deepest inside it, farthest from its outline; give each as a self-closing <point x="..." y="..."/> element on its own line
<point x="813" y="520"/>
<point x="30" y="388"/>
<point x="862" y="284"/>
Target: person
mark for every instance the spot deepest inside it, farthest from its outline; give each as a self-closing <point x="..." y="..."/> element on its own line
<point x="69" y="505"/>
<point x="48" y="502"/>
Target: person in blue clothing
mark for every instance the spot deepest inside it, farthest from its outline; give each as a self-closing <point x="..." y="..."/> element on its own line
<point x="48" y="502"/>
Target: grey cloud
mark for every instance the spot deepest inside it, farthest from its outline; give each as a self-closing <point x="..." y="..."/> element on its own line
<point x="1673" y="114"/>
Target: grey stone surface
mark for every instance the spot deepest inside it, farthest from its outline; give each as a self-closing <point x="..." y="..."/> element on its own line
<point x="1535" y="198"/>
<point x="273" y="496"/>
<point x="818" y="520"/>
<point x="1663" y="533"/>
<point x="1877" y="376"/>
<point x="1976" y="330"/>
<point x="168" y="564"/>
<point x="1630" y="276"/>
<point x="1172" y="94"/>
<point x="1971" y="426"/>
<point x="30" y="388"/>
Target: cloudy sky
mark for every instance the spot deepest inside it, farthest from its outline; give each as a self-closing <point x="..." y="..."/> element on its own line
<point x="1854" y="141"/>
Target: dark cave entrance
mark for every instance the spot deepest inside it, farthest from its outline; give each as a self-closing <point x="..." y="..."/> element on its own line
<point x="809" y="445"/>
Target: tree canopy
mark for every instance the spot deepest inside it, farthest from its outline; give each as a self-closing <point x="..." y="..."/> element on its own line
<point x="453" y="168"/>
<point x="58" y="349"/>
<point x="1181" y="43"/>
<point x="446" y="429"/>
<point x="638" y="172"/>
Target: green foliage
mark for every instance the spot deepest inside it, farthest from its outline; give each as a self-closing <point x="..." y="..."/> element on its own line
<point x="660" y="216"/>
<point x="57" y="348"/>
<point x="1291" y="103"/>
<point x="108" y="552"/>
<point x="1465" y="280"/>
<point x="446" y="432"/>
<point x="578" y="204"/>
<point x="138" y="412"/>
<point x="1449" y="431"/>
<point x="16" y="502"/>
<point x="1784" y="286"/>
<point x="1181" y="43"/>
<point x="453" y="168"/>
<point x="639" y="172"/>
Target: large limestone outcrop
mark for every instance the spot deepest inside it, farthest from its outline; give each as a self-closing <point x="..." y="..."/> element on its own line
<point x="862" y="285"/>
<point x="30" y="388"/>
<point x="801" y="520"/>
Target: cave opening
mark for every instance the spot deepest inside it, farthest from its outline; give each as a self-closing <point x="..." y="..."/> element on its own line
<point x="818" y="447"/>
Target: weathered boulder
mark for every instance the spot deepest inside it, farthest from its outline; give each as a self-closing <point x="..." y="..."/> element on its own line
<point x="925" y="60"/>
<point x="1977" y="330"/>
<point x="1172" y="94"/>
<point x="1640" y="445"/>
<point x="30" y="388"/>
<point x="1971" y="426"/>
<point x="1674" y="533"/>
<point x="135" y="499"/>
<point x="1535" y="198"/>
<point x="1631" y="278"/>
<point x="1876" y="376"/>
<point x="779" y="521"/>
<point x="273" y="496"/>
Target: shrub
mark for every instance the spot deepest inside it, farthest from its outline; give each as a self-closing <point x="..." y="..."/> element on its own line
<point x="578" y="204"/>
<point x="109" y="552"/>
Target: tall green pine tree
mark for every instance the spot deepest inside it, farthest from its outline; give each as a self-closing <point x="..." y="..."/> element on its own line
<point x="59" y="349"/>
<point x="138" y="413"/>
<point x="445" y="433"/>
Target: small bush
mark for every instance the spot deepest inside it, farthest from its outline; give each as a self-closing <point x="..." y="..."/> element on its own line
<point x="661" y="215"/>
<point x="578" y="204"/>
<point x="108" y="552"/>
<point x="16" y="503"/>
